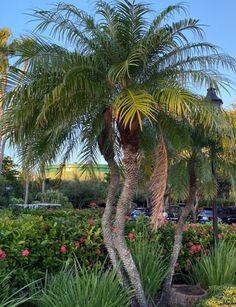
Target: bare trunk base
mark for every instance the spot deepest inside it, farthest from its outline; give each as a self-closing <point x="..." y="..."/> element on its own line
<point x="185" y="295"/>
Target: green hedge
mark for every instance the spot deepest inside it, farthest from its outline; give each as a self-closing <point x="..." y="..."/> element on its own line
<point x="42" y="240"/>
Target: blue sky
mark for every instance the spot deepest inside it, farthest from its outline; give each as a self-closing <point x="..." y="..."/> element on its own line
<point x="218" y="16"/>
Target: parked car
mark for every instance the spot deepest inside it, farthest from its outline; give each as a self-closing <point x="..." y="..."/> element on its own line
<point x="140" y="211"/>
<point x="40" y="205"/>
<point x="174" y="217"/>
<point x="225" y="215"/>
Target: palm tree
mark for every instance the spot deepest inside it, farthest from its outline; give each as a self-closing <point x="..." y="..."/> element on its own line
<point x="191" y="172"/>
<point x="118" y="74"/>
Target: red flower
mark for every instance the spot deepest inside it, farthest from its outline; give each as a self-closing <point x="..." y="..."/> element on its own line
<point x="93" y="204"/>
<point x="198" y="247"/>
<point x="25" y="253"/>
<point x="82" y="239"/>
<point x="63" y="249"/>
<point x="91" y="222"/>
<point x="2" y="255"/>
<point x="193" y="249"/>
<point x="207" y="251"/>
<point x="131" y="236"/>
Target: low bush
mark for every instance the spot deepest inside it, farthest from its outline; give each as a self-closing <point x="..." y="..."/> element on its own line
<point x="219" y="297"/>
<point x="32" y="245"/>
<point x="39" y="240"/>
<point x="218" y="267"/>
<point x="54" y="197"/>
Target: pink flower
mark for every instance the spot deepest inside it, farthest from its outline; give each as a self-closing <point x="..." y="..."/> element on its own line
<point x="131" y="236"/>
<point x="177" y="265"/>
<point x="63" y="249"/>
<point x="93" y="204"/>
<point x="207" y="251"/>
<point x="234" y="225"/>
<point x="127" y="218"/>
<point x="193" y="249"/>
<point x="198" y="247"/>
<point x="3" y="255"/>
<point x="25" y="253"/>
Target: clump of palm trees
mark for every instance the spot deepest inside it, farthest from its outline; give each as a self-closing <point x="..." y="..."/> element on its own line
<point x="124" y="79"/>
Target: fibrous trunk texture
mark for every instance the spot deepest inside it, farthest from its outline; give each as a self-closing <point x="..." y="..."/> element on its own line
<point x="106" y="146"/>
<point x="164" y="301"/>
<point x="129" y="188"/>
<point x="158" y="185"/>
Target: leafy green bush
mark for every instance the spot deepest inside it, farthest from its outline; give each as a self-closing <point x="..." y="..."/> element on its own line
<point x="40" y="240"/>
<point x="152" y="266"/>
<point x="54" y="197"/>
<point x="218" y="267"/>
<point x="83" y="287"/>
<point x="33" y="244"/>
<point x="82" y="193"/>
<point x="219" y="297"/>
<point x="221" y="202"/>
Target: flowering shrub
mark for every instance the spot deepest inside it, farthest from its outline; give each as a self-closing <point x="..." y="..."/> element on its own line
<point x="197" y="240"/>
<point x="41" y="240"/>
<point x="33" y="244"/>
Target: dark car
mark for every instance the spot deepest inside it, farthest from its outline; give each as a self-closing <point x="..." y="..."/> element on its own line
<point x="139" y="212"/>
<point x="174" y="217"/>
<point x="225" y="215"/>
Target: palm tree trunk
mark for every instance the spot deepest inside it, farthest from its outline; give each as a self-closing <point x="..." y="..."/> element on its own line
<point x="129" y="188"/>
<point x="26" y="191"/>
<point x="164" y="301"/>
<point x="106" y="146"/>
<point x="107" y="221"/>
